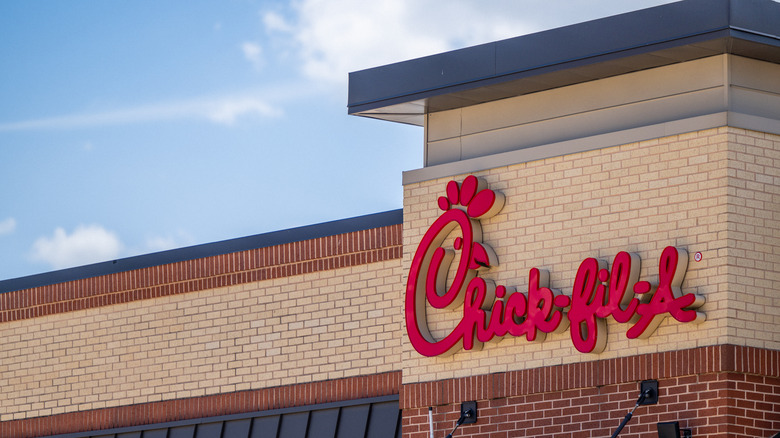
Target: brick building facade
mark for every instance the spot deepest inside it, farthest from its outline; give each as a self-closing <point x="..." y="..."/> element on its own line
<point x="632" y="134"/>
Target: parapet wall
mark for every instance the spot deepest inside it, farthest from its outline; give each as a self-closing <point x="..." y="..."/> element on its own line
<point x="712" y="192"/>
<point x="325" y="311"/>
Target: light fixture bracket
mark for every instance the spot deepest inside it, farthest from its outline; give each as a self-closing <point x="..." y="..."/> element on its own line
<point x="652" y="396"/>
<point x="465" y="406"/>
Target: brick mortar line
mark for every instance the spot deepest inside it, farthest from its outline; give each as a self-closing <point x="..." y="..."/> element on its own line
<point x="170" y="288"/>
<point x="707" y="360"/>
<point x="279" y="397"/>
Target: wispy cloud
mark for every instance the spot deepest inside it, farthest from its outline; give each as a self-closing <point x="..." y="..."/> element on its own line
<point x="7" y="226"/>
<point x="336" y="37"/>
<point x="228" y="111"/>
<point x="339" y="36"/>
<point x="274" y="22"/>
<point x="86" y="244"/>
<point x="224" y="110"/>
<point x="178" y="239"/>
<point x="253" y="53"/>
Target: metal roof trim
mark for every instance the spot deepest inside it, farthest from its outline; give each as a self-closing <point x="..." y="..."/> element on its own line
<point x="688" y="23"/>
<point x="359" y="223"/>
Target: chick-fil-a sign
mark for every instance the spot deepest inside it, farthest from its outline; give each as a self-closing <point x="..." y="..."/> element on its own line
<point x="493" y="311"/>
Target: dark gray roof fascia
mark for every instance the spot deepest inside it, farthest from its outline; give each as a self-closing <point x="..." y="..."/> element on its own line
<point x="376" y="220"/>
<point x="633" y="41"/>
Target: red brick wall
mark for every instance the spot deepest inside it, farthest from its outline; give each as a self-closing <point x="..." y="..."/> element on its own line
<point x="719" y="391"/>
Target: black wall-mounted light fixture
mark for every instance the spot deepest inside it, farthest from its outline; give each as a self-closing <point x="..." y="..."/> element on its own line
<point x="464" y="408"/>
<point x="468" y="415"/>
<point x="648" y="388"/>
<point x="648" y="395"/>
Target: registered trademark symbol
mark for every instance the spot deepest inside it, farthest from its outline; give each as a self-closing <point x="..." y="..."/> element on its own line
<point x="698" y="256"/>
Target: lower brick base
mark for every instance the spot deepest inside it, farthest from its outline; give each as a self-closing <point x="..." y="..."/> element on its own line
<point x="712" y="405"/>
<point x="720" y="391"/>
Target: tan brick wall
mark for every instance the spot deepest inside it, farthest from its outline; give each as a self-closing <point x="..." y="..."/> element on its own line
<point x="298" y="329"/>
<point x="754" y="239"/>
<point x="710" y="191"/>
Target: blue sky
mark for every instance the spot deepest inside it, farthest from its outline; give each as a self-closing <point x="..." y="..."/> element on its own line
<point x="129" y="127"/>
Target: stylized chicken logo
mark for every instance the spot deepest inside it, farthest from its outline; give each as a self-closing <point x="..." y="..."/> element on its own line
<point x="463" y="207"/>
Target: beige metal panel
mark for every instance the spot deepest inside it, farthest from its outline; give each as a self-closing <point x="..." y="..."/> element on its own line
<point x="605" y="93"/>
<point x="755" y="87"/>
<point x="757" y="75"/>
<point x="754" y="123"/>
<point x="444" y="124"/>
<point x="601" y="141"/>
<point x="755" y="102"/>
<point x="620" y="104"/>
<point x="617" y="118"/>
<point x="442" y="151"/>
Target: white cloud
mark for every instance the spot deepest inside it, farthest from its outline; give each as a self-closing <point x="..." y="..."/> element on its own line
<point x="253" y="53"/>
<point x="87" y="244"/>
<point x="229" y="110"/>
<point x="7" y="226"/>
<point x="274" y="22"/>
<point x="335" y="37"/>
<point x="224" y="110"/>
<point x="179" y="239"/>
<point x="161" y="243"/>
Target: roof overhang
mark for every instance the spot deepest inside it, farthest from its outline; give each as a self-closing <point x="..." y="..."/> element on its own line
<point x="404" y="92"/>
